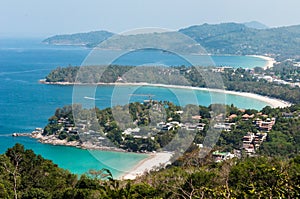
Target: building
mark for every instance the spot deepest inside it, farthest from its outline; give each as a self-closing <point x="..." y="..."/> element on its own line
<point x="247" y="117"/>
<point x="248" y="145"/>
<point x="231" y="117"/>
<point x="221" y="156"/>
<point x="265" y="126"/>
<point x="224" y="126"/>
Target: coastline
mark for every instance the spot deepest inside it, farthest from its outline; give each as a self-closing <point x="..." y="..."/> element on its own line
<point x="154" y="161"/>
<point x="270" y="61"/>
<point x="160" y="159"/>
<point x="51" y="139"/>
<point x="274" y="103"/>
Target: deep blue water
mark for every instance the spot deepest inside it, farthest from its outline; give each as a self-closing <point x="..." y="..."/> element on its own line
<point x="26" y="104"/>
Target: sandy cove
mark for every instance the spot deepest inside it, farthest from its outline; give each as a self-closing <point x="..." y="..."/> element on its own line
<point x="271" y="101"/>
<point x="162" y="159"/>
<point x="154" y="161"/>
<point x="270" y="61"/>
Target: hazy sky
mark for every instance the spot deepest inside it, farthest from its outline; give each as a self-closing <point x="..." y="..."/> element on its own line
<point x="45" y="18"/>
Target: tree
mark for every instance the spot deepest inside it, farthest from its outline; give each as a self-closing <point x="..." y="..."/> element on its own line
<point x="16" y="156"/>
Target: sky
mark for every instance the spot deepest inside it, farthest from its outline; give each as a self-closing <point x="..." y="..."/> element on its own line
<point x="43" y="18"/>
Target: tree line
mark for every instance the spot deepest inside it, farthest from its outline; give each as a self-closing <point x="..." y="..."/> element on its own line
<point x="27" y="175"/>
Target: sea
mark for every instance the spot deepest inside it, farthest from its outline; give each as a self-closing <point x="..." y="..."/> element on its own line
<point x="27" y="104"/>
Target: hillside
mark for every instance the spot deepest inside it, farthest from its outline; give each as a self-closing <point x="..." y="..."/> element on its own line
<point x="234" y="38"/>
<point x="225" y="38"/>
<point x="272" y="173"/>
<point x="90" y="38"/>
<point x="255" y="25"/>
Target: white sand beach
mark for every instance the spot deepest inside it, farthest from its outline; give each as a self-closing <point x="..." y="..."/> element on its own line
<point x="274" y="103"/>
<point x="157" y="159"/>
<point x="270" y="61"/>
<point x="154" y="161"/>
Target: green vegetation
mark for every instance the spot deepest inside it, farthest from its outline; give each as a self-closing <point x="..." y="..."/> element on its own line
<point x="91" y="38"/>
<point x="226" y="38"/>
<point x="233" y="79"/>
<point x="67" y="74"/>
<point x="146" y="130"/>
<point x="287" y="70"/>
<point x="26" y="175"/>
<point x="88" y="74"/>
<point x="283" y="140"/>
<point x="150" y="126"/>
<point x="244" y="80"/>
<point x="232" y="38"/>
<point x="272" y="172"/>
<point x="255" y="25"/>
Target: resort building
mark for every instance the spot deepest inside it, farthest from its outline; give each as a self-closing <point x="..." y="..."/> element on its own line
<point x="224" y="126"/>
<point x="265" y="126"/>
<point x="221" y="156"/>
<point x="247" y="117"/>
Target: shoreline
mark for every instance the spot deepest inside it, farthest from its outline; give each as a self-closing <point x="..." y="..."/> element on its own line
<point x="270" y="61"/>
<point x="51" y="139"/>
<point x="274" y="103"/>
<point x="154" y="161"/>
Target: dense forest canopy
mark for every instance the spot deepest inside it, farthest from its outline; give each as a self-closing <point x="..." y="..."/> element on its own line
<point x="27" y="175"/>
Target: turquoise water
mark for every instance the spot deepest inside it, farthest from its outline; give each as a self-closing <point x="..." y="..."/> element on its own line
<point x="77" y="160"/>
<point x="26" y="104"/>
<point x="120" y="95"/>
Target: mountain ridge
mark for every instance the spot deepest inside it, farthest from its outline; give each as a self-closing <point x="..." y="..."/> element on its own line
<point x="255" y="25"/>
<point x="78" y="38"/>
<point x="225" y="38"/>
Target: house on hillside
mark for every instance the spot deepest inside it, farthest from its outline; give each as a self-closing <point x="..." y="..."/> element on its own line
<point x="247" y="117"/>
<point x="221" y="156"/>
<point x="266" y="125"/>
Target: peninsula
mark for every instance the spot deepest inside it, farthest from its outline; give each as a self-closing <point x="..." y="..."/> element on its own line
<point x="236" y="81"/>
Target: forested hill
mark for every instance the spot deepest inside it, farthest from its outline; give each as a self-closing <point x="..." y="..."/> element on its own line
<point x="87" y="39"/>
<point x="225" y="38"/>
<point x="255" y="25"/>
<point x="232" y="38"/>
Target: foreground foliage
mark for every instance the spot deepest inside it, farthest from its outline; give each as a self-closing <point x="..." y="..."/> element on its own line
<point x="27" y="175"/>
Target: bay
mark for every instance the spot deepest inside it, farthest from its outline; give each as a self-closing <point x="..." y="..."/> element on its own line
<point x="26" y="104"/>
